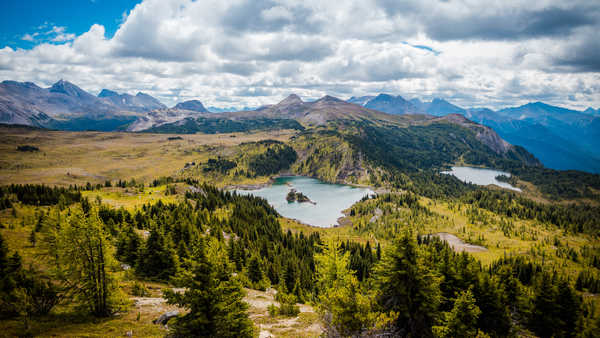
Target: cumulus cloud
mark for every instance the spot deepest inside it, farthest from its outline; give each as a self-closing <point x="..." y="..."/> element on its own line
<point x="255" y="52"/>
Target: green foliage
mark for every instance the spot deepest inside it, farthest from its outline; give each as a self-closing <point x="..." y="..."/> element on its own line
<point x="556" y="308"/>
<point x="128" y="245"/>
<point x="255" y="273"/>
<point x="221" y="165"/>
<point x="157" y="257"/>
<point x="576" y="218"/>
<point x="346" y="309"/>
<point x="224" y="125"/>
<point x="407" y="286"/>
<point x="561" y="184"/>
<point x="461" y="321"/>
<point x="34" y="194"/>
<point x="276" y="157"/>
<point x="214" y="298"/>
<point x="84" y="259"/>
<point x="435" y="145"/>
<point x="139" y="290"/>
<point x="287" y="306"/>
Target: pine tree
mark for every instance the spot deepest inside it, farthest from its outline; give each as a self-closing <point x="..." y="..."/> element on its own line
<point x="545" y="317"/>
<point x="85" y="256"/>
<point x="214" y="298"/>
<point x="157" y="258"/>
<point x="495" y="316"/>
<point x="128" y="245"/>
<point x="255" y="273"/>
<point x="32" y="238"/>
<point x="569" y="304"/>
<point x="407" y="287"/>
<point x="461" y="321"/>
<point x="345" y="308"/>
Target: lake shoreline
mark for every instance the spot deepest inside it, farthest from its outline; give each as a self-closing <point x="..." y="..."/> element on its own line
<point x="328" y="201"/>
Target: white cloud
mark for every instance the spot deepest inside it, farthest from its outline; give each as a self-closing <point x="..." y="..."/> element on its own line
<point x="254" y="52"/>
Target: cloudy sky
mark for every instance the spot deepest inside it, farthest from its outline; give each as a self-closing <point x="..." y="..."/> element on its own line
<point x="252" y="52"/>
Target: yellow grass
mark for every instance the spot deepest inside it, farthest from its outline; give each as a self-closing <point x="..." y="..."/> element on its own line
<point x="79" y="157"/>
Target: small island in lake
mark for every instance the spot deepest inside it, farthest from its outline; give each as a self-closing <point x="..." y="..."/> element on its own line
<point x="296" y="196"/>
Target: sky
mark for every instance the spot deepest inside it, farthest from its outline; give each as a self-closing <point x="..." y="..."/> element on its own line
<point x="235" y="53"/>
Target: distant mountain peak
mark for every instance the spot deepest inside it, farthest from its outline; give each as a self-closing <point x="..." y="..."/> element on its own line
<point x="107" y="93"/>
<point x="329" y="98"/>
<point x="193" y="105"/>
<point x="67" y="88"/>
<point x="291" y="99"/>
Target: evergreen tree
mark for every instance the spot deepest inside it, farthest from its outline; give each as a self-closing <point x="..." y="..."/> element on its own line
<point x="255" y="273"/>
<point x="213" y="297"/>
<point x="157" y="258"/>
<point x="345" y="308"/>
<point x="408" y="288"/>
<point x="569" y="304"/>
<point x="85" y="258"/>
<point x="461" y="321"/>
<point x="128" y="245"/>
<point x="495" y="317"/>
<point x="545" y="317"/>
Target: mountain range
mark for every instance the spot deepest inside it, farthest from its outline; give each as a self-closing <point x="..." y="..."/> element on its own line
<point x="65" y="106"/>
<point x="561" y="138"/>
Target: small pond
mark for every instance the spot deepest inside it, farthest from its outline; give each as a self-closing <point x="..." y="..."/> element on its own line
<point x="328" y="200"/>
<point x="480" y="176"/>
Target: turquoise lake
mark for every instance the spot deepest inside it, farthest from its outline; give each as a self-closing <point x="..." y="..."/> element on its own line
<point x="330" y="199"/>
<point x="480" y="176"/>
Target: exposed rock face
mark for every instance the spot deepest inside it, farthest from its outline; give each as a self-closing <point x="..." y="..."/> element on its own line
<point x="157" y="118"/>
<point x="193" y="105"/>
<point x="391" y="104"/>
<point x="491" y="139"/>
<point x="484" y="134"/>
<point x="28" y="104"/>
<point x="139" y="103"/>
<point x="165" y="317"/>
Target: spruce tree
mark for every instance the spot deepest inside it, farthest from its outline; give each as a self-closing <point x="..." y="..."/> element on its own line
<point x="255" y="273"/>
<point x="85" y="257"/>
<point x="213" y="297"/>
<point x="408" y="288"/>
<point x="346" y="310"/>
<point x="461" y="321"/>
<point x="157" y="258"/>
<point x="545" y="317"/>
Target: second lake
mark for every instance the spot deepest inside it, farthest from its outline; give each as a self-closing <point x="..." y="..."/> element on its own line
<point x="480" y="176"/>
<point x="330" y="199"/>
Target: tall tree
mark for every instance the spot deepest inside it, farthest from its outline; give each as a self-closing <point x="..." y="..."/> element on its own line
<point x="408" y="288"/>
<point x="85" y="258"/>
<point x="213" y="297"/>
<point x="157" y="257"/>
<point x="461" y="321"/>
<point x="345" y="308"/>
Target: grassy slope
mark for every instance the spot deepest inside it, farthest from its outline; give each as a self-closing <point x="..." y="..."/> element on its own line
<point x="79" y="157"/>
<point x="94" y="157"/>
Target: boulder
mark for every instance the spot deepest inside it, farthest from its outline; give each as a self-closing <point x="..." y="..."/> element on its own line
<point x="165" y="317"/>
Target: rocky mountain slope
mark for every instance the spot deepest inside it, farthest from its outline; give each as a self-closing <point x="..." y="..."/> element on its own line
<point x="193" y="105"/>
<point x="66" y="106"/>
<point x="561" y="138"/>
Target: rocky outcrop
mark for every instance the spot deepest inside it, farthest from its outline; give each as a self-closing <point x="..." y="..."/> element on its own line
<point x="165" y="317"/>
<point x="193" y="105"/>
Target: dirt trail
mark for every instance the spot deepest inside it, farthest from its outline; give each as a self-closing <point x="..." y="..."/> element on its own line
<point x="306" y="324"/>
<point x="457" y="244"/>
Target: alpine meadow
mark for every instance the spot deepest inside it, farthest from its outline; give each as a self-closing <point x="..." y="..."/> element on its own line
<point x="270" y="168"/>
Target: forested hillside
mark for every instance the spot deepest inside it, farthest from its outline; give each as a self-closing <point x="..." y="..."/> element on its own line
<point x="113" y="253"/>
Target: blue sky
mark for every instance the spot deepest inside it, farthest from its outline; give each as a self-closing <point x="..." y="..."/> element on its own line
<point x="21" y="17"/>
<point x="227" y="53"/>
